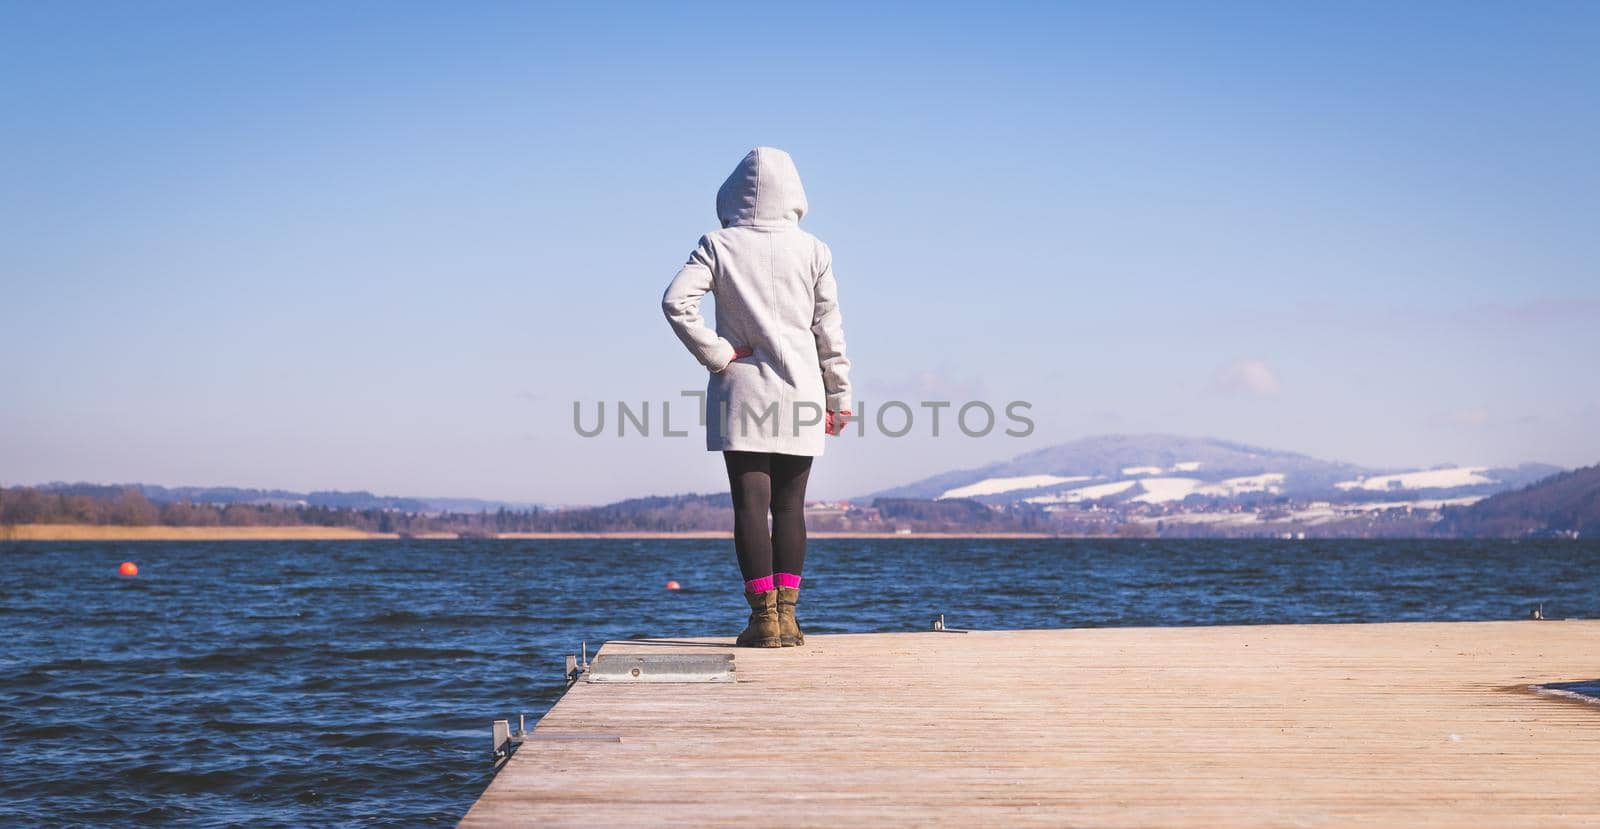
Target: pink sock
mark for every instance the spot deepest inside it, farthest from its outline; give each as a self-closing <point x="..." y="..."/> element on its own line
<point x="788" y="580"/>
<point x="760" y="585"/>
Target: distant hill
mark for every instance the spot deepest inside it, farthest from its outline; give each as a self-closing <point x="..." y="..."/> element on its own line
<point x="1566" y="504"/>
<point x="1155" y="469"/>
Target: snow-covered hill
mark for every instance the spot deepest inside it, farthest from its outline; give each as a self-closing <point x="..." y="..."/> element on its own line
<point x="1163" y="469"/>
<point x="1445" y="478"/>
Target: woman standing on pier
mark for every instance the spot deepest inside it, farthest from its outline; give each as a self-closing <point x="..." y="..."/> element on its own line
<point x="780" y="380"/>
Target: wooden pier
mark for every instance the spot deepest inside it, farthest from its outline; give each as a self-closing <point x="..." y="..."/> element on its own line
<point x="1281" y="725"/>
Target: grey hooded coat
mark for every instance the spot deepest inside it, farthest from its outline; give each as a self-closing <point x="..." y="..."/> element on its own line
<point x="775" y="295"/>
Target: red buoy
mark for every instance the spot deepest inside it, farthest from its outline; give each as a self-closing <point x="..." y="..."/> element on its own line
<point x="673" y="585"/>
<point x="128" y="568"/>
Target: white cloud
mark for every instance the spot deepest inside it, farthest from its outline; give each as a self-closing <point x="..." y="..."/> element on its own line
<point x="1245" y="377"/>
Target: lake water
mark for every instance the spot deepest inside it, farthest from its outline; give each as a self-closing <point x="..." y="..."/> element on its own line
<point x="331" y="683"/>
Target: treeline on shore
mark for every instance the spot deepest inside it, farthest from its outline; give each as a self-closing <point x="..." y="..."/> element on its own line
<point x="678" y="513"/>
<point x="131" y="508"/>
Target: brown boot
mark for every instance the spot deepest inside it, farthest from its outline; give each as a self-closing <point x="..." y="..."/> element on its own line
<point x="789" y="632"/>
<point x="762" y="631"/>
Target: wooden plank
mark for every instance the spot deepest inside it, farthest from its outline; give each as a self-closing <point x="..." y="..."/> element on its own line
<point x="1280" y="725"/>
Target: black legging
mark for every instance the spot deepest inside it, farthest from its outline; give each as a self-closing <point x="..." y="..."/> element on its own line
<point x="763" y="481"/>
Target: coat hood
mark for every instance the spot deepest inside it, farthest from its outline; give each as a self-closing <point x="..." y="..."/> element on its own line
<point x="763" y="191"/>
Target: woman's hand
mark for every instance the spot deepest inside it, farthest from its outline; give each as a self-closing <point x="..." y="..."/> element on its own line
<point x="834" y="425"/>
<point x="739" y="353"/>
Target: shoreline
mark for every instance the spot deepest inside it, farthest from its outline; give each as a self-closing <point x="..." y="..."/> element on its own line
<point x="97" y="532"/>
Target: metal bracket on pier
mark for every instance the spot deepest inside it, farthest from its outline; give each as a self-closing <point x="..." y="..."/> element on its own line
<point x="662" y="667"/>
<point x="938" y="626"/>
<point x="577" y="669"/>
<point x="506" y="740"/>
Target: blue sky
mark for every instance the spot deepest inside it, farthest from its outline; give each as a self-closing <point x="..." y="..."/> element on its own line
<point x="386" y="246"/>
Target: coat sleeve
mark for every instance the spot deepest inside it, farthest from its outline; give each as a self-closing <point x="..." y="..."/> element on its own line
<point x="827" y="325"/>
<point x="681" y="304"/>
